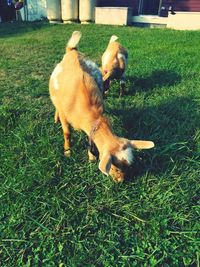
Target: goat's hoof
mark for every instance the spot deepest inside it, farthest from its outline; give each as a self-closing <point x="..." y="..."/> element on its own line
<point x="91" y="157"/>
<point x="67" y="153"/>
<point x="56" y="120"/>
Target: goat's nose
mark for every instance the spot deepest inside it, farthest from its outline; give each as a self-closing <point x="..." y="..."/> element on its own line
<point x="116" y="174"/>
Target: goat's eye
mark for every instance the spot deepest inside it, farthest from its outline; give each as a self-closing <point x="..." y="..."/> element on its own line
<point x="125" y="147"/>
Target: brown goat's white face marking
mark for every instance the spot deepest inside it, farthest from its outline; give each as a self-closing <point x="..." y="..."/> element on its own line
<point x="54" y="76"/>
<point x="120" y="55"/>
<point x="125" y="155"/>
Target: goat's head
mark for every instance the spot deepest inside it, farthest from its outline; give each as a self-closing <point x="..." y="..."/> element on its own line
<point x="115" y="161"/>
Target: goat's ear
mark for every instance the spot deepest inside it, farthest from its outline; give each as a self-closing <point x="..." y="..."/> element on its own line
<point x="138" y="144"/>
<point x="105" y="163"/>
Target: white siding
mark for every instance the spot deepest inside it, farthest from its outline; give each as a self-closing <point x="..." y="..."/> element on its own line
<point x="35" y="10"/>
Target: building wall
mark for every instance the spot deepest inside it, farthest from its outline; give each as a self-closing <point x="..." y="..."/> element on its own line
<point x="177" y="5"/>
<point x="134" y="4"/>
<point x="186" y="5"/>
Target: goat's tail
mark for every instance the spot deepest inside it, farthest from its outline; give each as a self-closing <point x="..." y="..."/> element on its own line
<point x="113" y="38"/>
<point x="73" y="41"/>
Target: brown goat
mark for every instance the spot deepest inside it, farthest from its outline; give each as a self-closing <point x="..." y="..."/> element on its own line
<point x="75" y="90"/>
<point x="114" y="62"/>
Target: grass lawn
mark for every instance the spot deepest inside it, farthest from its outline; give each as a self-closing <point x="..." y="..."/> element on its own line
<point x="57" y="211"/>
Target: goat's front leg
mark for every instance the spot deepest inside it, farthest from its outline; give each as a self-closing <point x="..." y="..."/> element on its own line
<point x="106" y="82"/>
<point x="93" y="152"/>
<point x="122" y="85"/>
<point x="66" y="134"/>
<point x="106" y="86"/>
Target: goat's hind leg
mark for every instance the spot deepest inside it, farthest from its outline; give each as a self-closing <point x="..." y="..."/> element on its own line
<point x="91" y="157"/>
<point x="66" y="134"/>
<point x="56" y="116"/>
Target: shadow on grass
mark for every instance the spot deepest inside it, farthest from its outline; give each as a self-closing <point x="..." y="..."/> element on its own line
<point x="9" y="29"/>
<point x="158" y="78"/>
<point x="172" y="126"/>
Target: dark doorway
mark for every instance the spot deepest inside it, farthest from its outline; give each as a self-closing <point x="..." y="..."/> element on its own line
<point x="7" y="11"/>
<point x="149" y="7"/>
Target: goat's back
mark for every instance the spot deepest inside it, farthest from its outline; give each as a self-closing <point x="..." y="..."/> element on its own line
<point x="74" y="91"/>
<point x="114" y="59"/>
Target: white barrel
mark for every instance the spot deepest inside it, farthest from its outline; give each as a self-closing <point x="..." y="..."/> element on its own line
<point x="69" y="10"/>
<point x="54" y="10"/>
<point x="87" y="10"/>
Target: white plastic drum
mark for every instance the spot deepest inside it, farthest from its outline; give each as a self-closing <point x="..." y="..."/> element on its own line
<point x="54" y="10"/>
<point x="87" y="10"/>
<point x="69" y="10"/>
